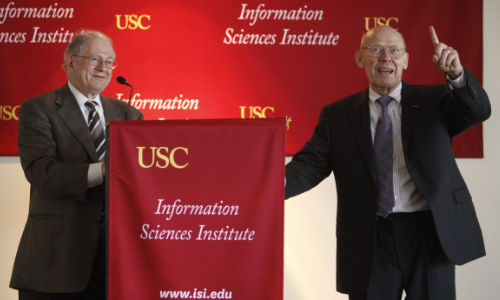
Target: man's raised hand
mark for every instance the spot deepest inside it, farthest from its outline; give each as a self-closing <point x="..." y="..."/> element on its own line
<point x="445" y="57"/>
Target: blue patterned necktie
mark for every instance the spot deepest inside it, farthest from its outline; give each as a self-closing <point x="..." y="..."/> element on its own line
<point x="96" y="130"/>
<point x="384" y="158"/>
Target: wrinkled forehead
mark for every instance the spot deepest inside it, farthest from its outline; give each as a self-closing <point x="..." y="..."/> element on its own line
<point x="384" y="36"/>
<point x="95" y="46"/>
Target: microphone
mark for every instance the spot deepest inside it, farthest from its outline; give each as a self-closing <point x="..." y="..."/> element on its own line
<point x="122" y="80"/>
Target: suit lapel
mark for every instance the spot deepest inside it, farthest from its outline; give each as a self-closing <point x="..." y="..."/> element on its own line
<point x="106" y="106"/>
<point x="360" y="118"/>
<point x="410" y="112"/>
<point x="112" y="111"/>
<point x="70" y="113"/>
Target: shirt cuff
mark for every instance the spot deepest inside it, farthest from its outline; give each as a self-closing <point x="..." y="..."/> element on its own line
<point x="94" y="175"/>
<point x="456" y="83"/>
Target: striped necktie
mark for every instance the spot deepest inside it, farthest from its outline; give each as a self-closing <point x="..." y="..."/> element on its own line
<point x="384" y="158"/>
<point x="96" y="129"/>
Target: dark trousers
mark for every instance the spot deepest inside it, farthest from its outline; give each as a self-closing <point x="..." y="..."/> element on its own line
<point x="96" y="289"/>
<point x="409" y="257"/>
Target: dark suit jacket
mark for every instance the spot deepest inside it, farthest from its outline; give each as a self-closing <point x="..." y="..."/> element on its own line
<point x="59" y="242"/>
<point x="342" y="143"/>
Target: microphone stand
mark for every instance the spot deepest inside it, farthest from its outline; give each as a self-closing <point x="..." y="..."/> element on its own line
<point x="123" y="81"/>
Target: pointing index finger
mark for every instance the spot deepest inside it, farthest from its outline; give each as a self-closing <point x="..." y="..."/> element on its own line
<point x="434" y="36"/>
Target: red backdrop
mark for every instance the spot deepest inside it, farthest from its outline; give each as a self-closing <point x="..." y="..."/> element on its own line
<point x="188" y="54"/>
<point x="196" y="209"/>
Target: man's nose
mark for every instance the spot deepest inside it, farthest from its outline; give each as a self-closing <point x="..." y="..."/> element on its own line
<point x="101" y="64"/>
<point x="384" y="55"/>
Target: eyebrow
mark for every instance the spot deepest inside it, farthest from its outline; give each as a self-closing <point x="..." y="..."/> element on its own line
<point x="101" y="55"/>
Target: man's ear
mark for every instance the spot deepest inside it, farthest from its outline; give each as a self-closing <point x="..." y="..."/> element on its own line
<point x="359" y="59"/>
<point x="406" y="60"/>
<point x="68" y="62"/>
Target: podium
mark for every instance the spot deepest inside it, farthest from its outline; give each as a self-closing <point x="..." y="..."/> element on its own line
<point x="195" y="209"/>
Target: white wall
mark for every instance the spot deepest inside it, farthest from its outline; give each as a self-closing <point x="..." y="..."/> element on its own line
<point x="14" y="191"/>
<point x="310" y="217"/>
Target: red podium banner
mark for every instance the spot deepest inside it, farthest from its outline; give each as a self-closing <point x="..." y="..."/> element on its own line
<point x="195" y="209"/>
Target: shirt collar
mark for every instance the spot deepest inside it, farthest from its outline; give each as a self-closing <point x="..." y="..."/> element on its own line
<point x="395" y="94"/>
<point x="80" y="98"/>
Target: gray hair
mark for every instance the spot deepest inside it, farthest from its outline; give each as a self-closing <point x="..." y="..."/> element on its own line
<point x="80" y="39"/>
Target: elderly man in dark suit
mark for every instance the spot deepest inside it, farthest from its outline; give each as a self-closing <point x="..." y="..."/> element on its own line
<point x="405" y="217"/>
<point x="61" y="142"/>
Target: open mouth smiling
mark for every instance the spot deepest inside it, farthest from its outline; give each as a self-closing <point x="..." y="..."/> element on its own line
<point x="386" y="71"/>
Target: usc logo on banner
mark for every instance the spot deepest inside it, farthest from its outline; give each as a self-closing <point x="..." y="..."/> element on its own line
<point x="132" y="22"/>
<point x="161" y="157"/>
<point x="371" y="22"/>
<point x="9" y="112"/>
<point x="252" y="112"/>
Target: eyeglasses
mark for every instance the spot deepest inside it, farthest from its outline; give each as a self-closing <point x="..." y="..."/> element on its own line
<point x="95" y="60"/>
<point x="394" y="52"/>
